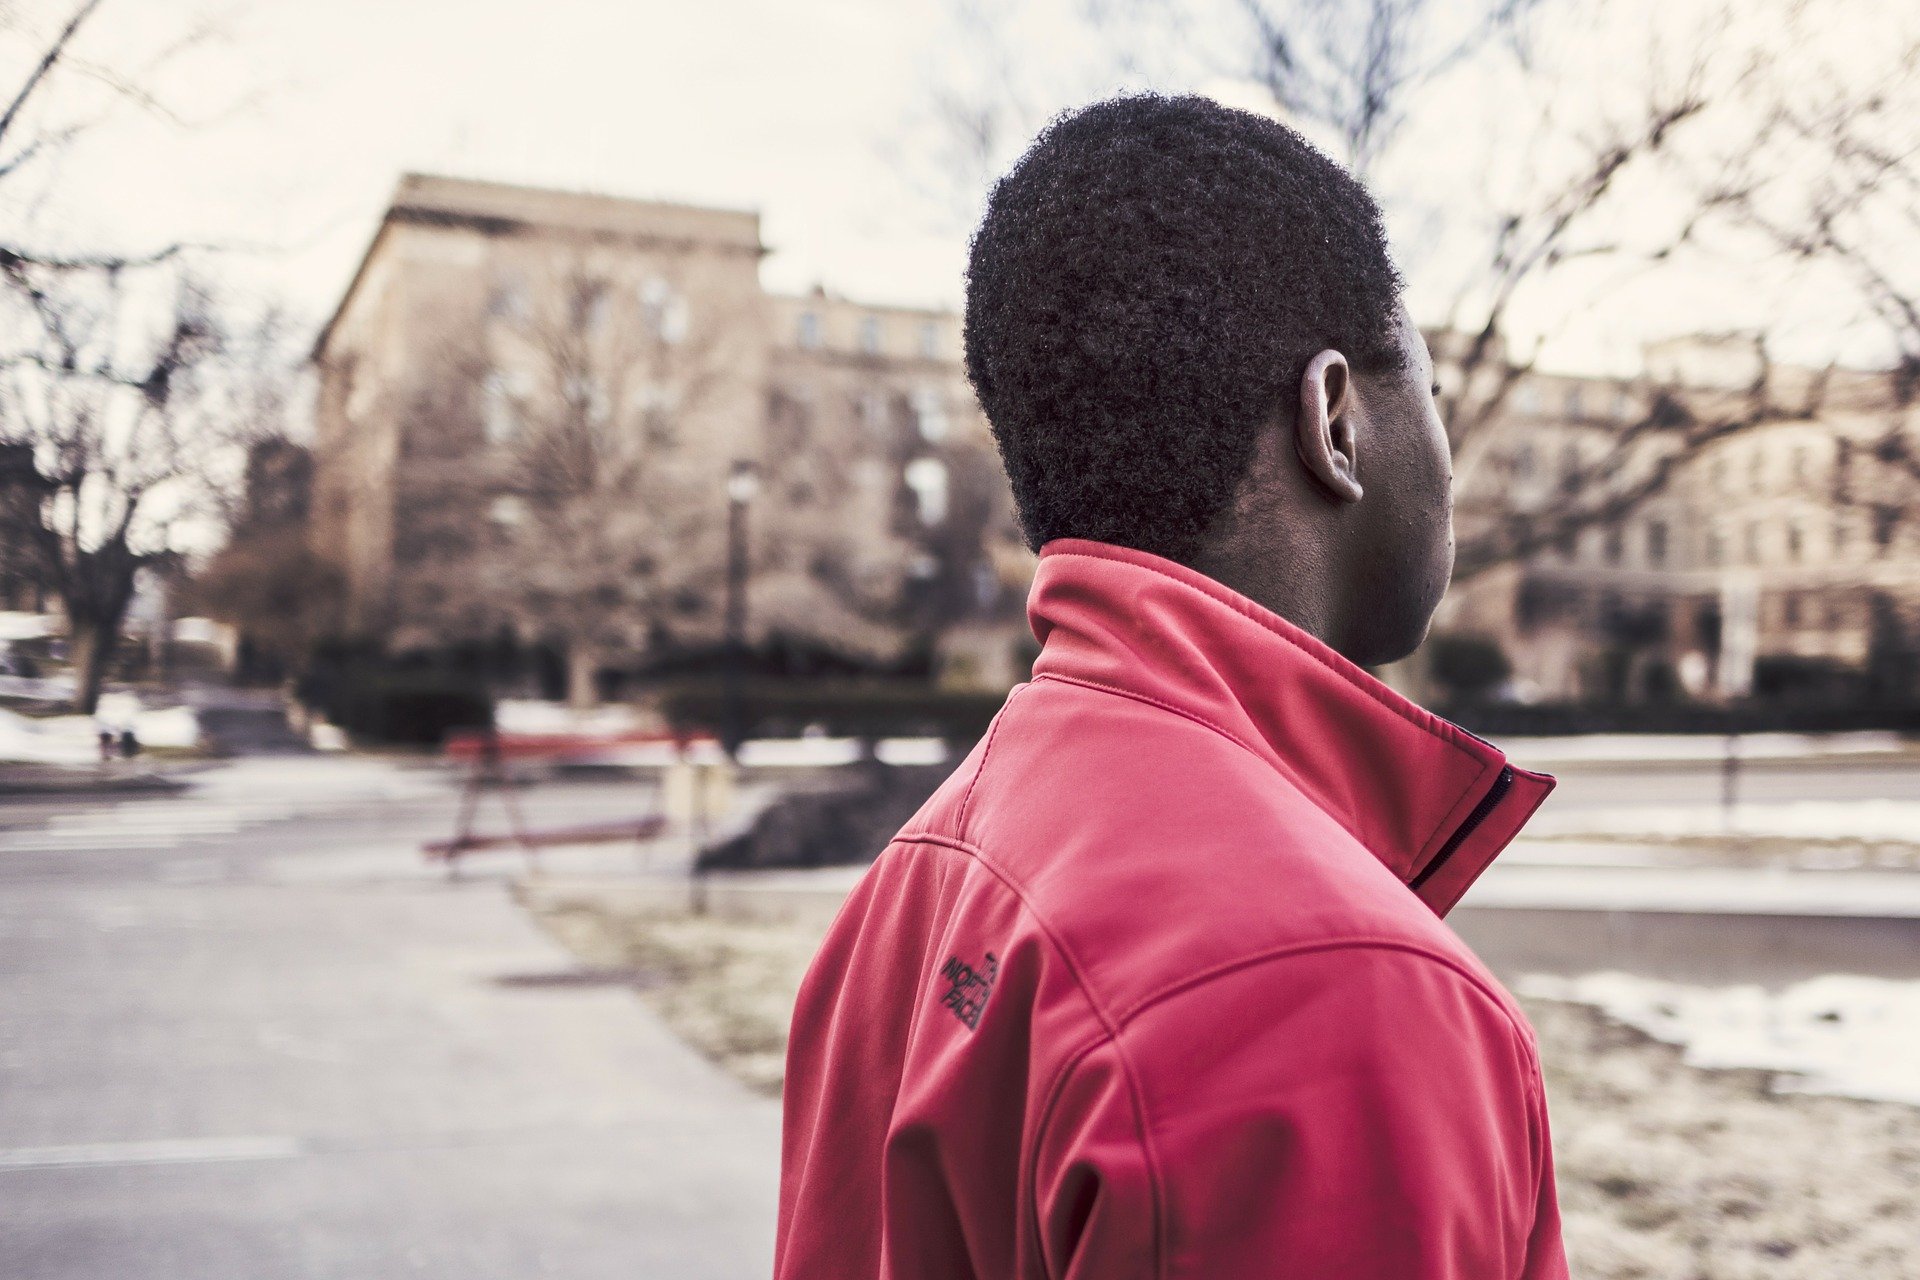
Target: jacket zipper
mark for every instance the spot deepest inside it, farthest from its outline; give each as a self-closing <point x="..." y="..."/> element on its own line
<point x="1493" y="797"/>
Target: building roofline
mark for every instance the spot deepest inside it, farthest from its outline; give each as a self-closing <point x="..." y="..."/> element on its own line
<point x="413" y="202"/>
<point x="413" y="180"/>
<point x="353" y="287"/>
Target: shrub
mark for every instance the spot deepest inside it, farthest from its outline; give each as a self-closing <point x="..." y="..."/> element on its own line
<point x="1468" y="666"/>
<point x="377" y="700"/>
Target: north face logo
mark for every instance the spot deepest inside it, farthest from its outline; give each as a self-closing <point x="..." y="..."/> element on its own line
<point x="968" y="987"/>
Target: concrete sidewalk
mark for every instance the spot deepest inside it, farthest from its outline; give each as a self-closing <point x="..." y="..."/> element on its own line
<point x="349" y="1078"/>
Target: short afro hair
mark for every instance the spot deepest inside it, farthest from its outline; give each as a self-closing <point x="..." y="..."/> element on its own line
<point x="1145" y="289"/>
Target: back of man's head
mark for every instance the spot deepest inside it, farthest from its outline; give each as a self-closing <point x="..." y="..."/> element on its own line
<point x="1144" y="292"/>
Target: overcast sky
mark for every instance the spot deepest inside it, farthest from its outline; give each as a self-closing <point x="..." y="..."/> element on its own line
<point x="285" y="131"/>
<point x="301" y="114"/>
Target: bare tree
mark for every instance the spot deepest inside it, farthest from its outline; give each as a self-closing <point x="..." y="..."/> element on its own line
<point x="127" y="407"/>
<point x="1348" y="70"/>
<point x="267" y="581"/>
<point x="825" y="571"/>
<point x="591" y="513"/>
<point x="38" y="121"/>
<point x="113" y="391"/>
<point x="1354" y="73"/>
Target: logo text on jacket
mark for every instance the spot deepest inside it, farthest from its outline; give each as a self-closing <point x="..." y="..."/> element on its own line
<point x="968" y="987"/>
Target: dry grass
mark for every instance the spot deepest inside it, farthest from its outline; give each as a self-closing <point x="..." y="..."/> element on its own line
<point x="1666" y="1171"/>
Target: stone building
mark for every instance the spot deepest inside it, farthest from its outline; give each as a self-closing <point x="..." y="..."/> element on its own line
<point x="482" y="310"/>
<point x="1782" y="551"/>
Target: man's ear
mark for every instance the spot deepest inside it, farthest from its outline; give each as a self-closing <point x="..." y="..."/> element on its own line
<point x="1323" y="434"/>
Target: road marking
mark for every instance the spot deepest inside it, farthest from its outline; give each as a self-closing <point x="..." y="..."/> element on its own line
<point x="175" y="1151"/>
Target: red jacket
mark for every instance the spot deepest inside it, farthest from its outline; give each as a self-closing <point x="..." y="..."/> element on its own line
<point x="1156" y="984"/>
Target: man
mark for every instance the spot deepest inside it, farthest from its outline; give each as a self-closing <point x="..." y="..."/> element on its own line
<point x="1156" y="985"/>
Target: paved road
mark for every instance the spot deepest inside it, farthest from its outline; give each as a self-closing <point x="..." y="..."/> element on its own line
<point x="243" y="1034"/>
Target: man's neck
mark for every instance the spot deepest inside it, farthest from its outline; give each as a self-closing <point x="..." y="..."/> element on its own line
<point x="1293" y="585"/>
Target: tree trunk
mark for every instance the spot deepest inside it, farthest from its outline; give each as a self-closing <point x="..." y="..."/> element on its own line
<point x="583" y="676"/>
<point x="90" y="646"/>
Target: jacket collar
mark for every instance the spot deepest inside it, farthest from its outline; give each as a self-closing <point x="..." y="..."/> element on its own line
<point x="1427" y="798"/>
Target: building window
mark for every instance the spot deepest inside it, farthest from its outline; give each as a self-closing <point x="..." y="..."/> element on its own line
<point x="1575" y="409"/>
<point x="1798" y="465"/>
<point x="927" y="478"/>
<point x="873" y="413"/>
<point x="1570" y="467"/>
<point x="585" y="396"/>
<point x="1656" y="543"/>
<point x="930" y="414"/>
<point x="870" y="334"/>
<point x="654" y="404"/>
<point x="1758" y="470"/>
<point x="929" y="340"/>
<point x="675" y="319"/>
<point x="1610" y="548"/>
<point x="509" y="511"/>
<point x="1622" y="404"/>
<point x="1790" y="609"/>
<point x="509" y="299"/>
<point x="588" y="306"/>
<point x="1753" y="544"/>
<point x="986" y="585"/>
<point x="503" y="397"/>
<point x="1794" y="542"/>
<point x="809" y="332"/>
<point x="664" y="311"/>
<point x="1527" y="398"/>
<point x="1716" y="547"/>
<point x="1523" y="462"/>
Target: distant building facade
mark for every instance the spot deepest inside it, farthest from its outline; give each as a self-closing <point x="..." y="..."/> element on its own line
<point x="446" y="343"/>
<point x="1768" y="548"/>
<point x="1780" y="551"/>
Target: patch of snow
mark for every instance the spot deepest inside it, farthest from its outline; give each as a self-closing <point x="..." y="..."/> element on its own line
<point x="1839" y="1034"/>
<point x="27" y="741"/>
<point x="1558" y="853"/>
<point x="168" y="727"/>
<point x="911" y="751"/>
<point x="818" y="752"/>
<point x="1722" y="890"/>
<point x="16" y="625"/>
<point x="201" y="631"/>
<point x="1876" y="819"/>
<point x="528" y="715"/>
<point x="154" y="727"/>
<point x="1695" y="746"/>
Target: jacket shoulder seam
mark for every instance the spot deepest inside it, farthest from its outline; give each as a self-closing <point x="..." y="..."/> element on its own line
<point x="1183" y="712"/>
<point x="1108" y="1033"/>
<point x="1013" y="886"/>
<point x="1519" y="1042"/>
<point x="1362" y="942"/>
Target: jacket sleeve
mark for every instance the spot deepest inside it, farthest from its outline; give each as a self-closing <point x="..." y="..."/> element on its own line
<point x="1359" y="1113"/>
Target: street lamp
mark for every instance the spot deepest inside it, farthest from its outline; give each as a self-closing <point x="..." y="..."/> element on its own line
<point x="743" y="482"/>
